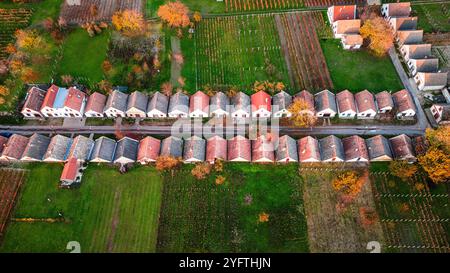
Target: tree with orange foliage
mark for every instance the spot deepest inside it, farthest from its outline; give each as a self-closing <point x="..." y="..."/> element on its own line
<point x="403" y="169"/>
<point x="379" y="34"/>
<point x="129" y="22"/>
<point x="29" y="39"/>
<point x="4" y="91"/>
<point x="300" y="116"/>
<point x="175" y="14"/>
<point x="348" y="183"/>
<point x="437" y="165"/>
<point x="263" y="217"/>
<point x="10" y="49"/>
<point x="201" y="170"/>
<point x="197" y="17"/>
<point x="220" y="179"/>
<point x="166" y="162"/>
<point x="29" y="75"/>
<point x="106" y="66"/>
<point x="167" y="88"/>
<point x="439" y="138"/>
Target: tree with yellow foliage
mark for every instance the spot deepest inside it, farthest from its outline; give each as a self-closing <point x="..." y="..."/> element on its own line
<point x="29" y="40"/>
<point x="379" y="34"/>
<point x="220" y="179"/>
<point x="403" y="169"/>
<point x="437" y="164"/>
<point x="197" y="17"/>
<point x="439" y="138"/>
<point x="4" y="91"/>
<point x="164" y="163"/>
<point x="175" y="14"/>
<point x="263" y="217"/>
<point x="201" y="170"/>
<point x="129" y="22"/>
<point x="349" y="183"/>
<point x="299" y="114"/>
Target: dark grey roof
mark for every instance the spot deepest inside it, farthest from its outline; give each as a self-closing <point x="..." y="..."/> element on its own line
<point x="128" y="148"/>
<point x="283" y="100"/>
<point x="331" y="147"/>
<point x="81" y="147"/>
<point x="104" y="149"/>
<point x="241" y="101"/>
<point x="37" y="146"/>
<point x="219" y="101"/>
<point x="117" y="100"/>
<point x="427" y="65"/>
<point x="159" y="102"/>
<point x="138" y="100"/>
<point x="58" y="148"/>
<point x="172" y="146"/>
<point x="409" y="23"/>
<point x="287" y="147"/>
<point x="378" y="146"/>
<point x="179" y="102"/>
<point x="325" y="99"/>
<point x="194" y="148"/>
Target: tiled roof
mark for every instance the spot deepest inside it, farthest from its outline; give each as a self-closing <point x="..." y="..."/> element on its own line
<point x="403" y="101"/>
<point x="36" y="147"/>
<point x="172" y="146"/>
<point x="219" y="101"/>
<point x="402" y="147"/>
<point x="419" y="51"/>
<point x="427" y="65"/>
<point x="194" y="149"/>
<point x="137" y="100"/>
<point x="283" y="100"/>
<point x="75" y="99"/>
<point x="344" y="12"/>
<point x="287" y="148"/>
<point x="60" y="98"/>
<point x="434" y="79"/>
<point x="399" y="9"/>
<point x="405" y="23"/>
<point x="70" y="170"/>
<point x="58" y="148"/>
<point x="149" y="149"/>
<point x="308" y="148"/>
<point x="96" y="103"/>
<point x="239" y="147"/>
<point x="216" y="148"/>
<point x="410" y="36"/>
<point x="348" y="26"/>
<point x="331" y="148"/>
<point x="179" y="102"/>
<point x="353" y="39"/>
<point x="378" y="146"/>
<point x="355" y="148"/>
<point x="199" y="101"/>
<point x="50" y="96"/>
<point x="263" y="148"/>
<point x="3" y="141"/>
<point x="117" y="100"/>
<point x="384" y="99"/>
<point x="324" y="100"/>
<point x="261" y="100"/>
<point x="104" y="149"/>
<point x="241" y="101"/>
<point x="35" y="98"/>
<point x="81" y="148"/>
<point x="15" y="146"/>
<point x="307" y="97"/>
<point x="159" y="102"/>
<point x="127" y="148"/>
<point x="365" y="101"/>
<point x="345" y="101"/>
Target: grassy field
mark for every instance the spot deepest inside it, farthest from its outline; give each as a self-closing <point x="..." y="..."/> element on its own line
<point x="359" y="70"/>
<point x="41" y="10"/>
<point x="238" y="50"/>
<point x="433" y="17"/>
<point x="83" y="56"/>
<point x="110" y="212"/>
<point x="204" y="6"/>
<point x="199" y="216"/>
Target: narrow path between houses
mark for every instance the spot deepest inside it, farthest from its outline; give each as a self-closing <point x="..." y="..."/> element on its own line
<point x="175" y="68"/>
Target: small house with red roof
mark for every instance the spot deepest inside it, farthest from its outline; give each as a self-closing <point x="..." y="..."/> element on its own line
<point x="148" y="150"/>
<point x="95" y="105"/>
<point x="402" y="9"/>
<point x="74" y="103"/>
<point x="33" y="102"/>
<point x="308" y="150"/>
<point x="308" y="99"/>
<point x="54" y="102"/>
<point x="239" y="149"/>
<point x="341" y="12"/>
<point x="404" y="104"/>
<point x="355" y="149"/>
<point x="14" y="148"/>
<point x="402" y="148"/>
<point x="216" y="149"/>
<point x="365" y="105"/>
<point x="3" y="141"/>
<point x="72" y="172"/>
<point x="261" y="105"/>
<point x="384" y="102"/>
<point x="263" y="149"/>
<point x="287" y="150"/>
<point x="199" y="105"/>
<point x="346" y="104"/>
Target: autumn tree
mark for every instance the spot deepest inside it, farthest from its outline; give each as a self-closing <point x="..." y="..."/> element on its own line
<point x="268" y="86"/>
<point x="129" y="22"/>
<point x="197" y="17"/>
<point x="379" y="34"/>
<point x="439" y="138"/>
<point x="167" y="88"/>
<point x="66" y="79"/>
<point x="164" y="163"/>
<point x="175" y="14"/>
<point x="300" y="115"/>
<point x="402" y="169"/>
<point x="220" y="179"/>
<point x="201" y="170"/>
<point x="437" y="164"/>
<point x="29" y="39"/>
<point x="263" y="217"/>
<point x="348" y="183"/>
<point x="106" y="66"/>
<point x="4" y="91"/>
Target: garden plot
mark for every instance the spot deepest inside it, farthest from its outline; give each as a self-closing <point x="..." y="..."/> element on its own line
<point x="304" y="57"/>
<point x="414" y="217"/>
<point x="333" y="229"/>
<point x="10" y="21"/>
<point x="238" y="50"/>
<point x="433" y="17"/>
<point x="443" y="53"/>
<point x="252" y="5"/>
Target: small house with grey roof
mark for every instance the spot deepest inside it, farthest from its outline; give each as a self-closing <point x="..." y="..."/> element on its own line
<point x="81" y="148"/>
<point x="116" y="104"/>
<point x="157" y="106"/>
<point x="103" y="151"/>
<point x="58" y="149"/>
<point x="36" y="148"/>
<point x="378" y="148"/>
<point x="219" y="105"/>
<point x="280" y="104"/>
<point x="331" y="149"/>
<point x="126" y="151"/>
<point x="194" y="150"/>
<point x="137" y="105"/>
<point x="178" y="106"/>
<point x="172" y="146"/>
<point x="287" y="150"/>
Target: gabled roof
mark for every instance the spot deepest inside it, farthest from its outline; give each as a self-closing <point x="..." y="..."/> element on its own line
<point x="104" y="149"/>
<point x="307" y="97"/>
<point x="325" y="100"/>
<point x="378" y="146"/>
<point x="96" y="103"/>
<point x="384" y="99"/>
<point x="127" y="148"/>
<point x="353" y="39"/>
<point x="308" y="148"/>
<point x="15" y="146"/>
<point x="355" y="148"/>
<point x="427" y="65"/>
<point x="403" y="101"/>
<point x="36" y="147"/>
<point x="137" y="100"/>
<point x="158" y="102"/>
<point x="418" y="51"/>
<point x="287" y="148"/>
<point x="399" y="9"/>
<point x="402" y="147"/>
<point x="199" y="101"/>
<point x="172" y="146"/>
<point x="345" y="101"/>
<point x="81" y="148"/>
<point x="216" y="148"/>
<point x="410" y="36"/>
<point x="405" y="23"/>
<point x="60" y="98"/>
<point x="35" y="98"/>
<point x="75" y="99"/>
<point x="219" y="101"/>
<point x="149" y="149"/>
<point x="117" y="100"/>
<point x="58" y="148"/>
<point x="50" y="96"/>
<point x="241" y="101"/>
<point x="261" y="100"/>
<point x="365" y="101"/>
<point x="70" y="170"/>
<point x="331" y="147"/>
<point x="282" y="100"/>
<point x="263" y="148"/>
<point x="239" y="147"/>
<point x="194" y="149"/>
<point x="179" y="102"/>
<point x="3" y="141"/>
<point x="344" y="12"/>
<point x="434" y="79"/>
<point x="348" y="26"/>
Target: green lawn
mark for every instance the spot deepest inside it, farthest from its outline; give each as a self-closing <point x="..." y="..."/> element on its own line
<point x="200" y="216"/>
<point x="359" y="70"/>
<point x="82" y="56"/>
<point x="433" y="17"/>
<point x="110" y="212"/>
